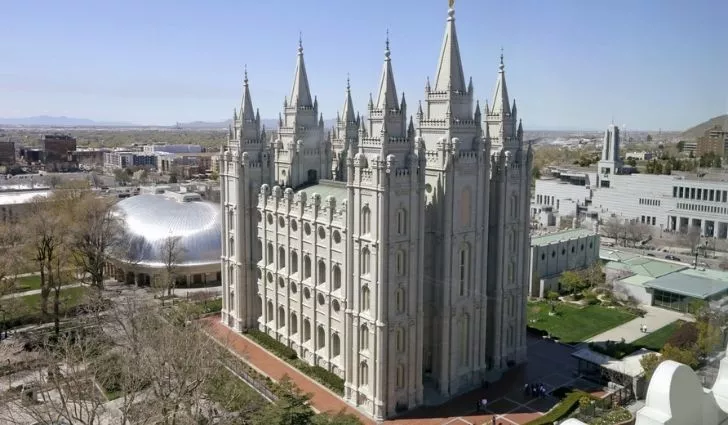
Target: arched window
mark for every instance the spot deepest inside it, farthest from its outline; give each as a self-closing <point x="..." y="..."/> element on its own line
<point x="335" y="345"/>
<point x="293" y="325"/>
<point x="401" y="262"/>
<point x="294" y="262"/>
<point x="269" y="312"/>
<point x="364" y="374"/>
<point x="365" y="260"/>
<point x="306" y="329"/>
<point x="231" y="220"/>
<point x="306" y="267"/>
<point x="511" y="273"/>
<point x="270" y="257"/>
<point x="366" y="218"/>
<point x="321" y="272"/>
<point x="402" y="222"/>
<point x="464" y="346"/>
<point x="337" y="277"/>
<point x="364" y="337"/>
<point x="281" y="317"/>
<point x="400" y="376"/>
<point x="399" y="300"/>
<point x="320" y="337"/>
<point x="231" y="246"/>
<point x="464" y="270"/>
<point x="281" y="258"/>
<point x="400" y="340"/>
<point x="365" y="298"/>
<point x="466" y="206"/>
<point x="514" y="206"/>
<point x="258" y="248"/>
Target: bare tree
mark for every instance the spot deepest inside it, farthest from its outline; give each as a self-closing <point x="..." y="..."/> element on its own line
<point x="613" y="228"/>
<point x="96" y="228"/>
<point x="636" y="232"/>
<point x="172" y="254"/>
<point x="692" y="238"/>
<point x="10" y="258"/>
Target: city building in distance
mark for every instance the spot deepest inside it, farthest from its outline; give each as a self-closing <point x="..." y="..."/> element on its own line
<point x="391" y="251"/>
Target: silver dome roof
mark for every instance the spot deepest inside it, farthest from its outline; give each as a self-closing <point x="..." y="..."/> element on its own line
<point x="151" y="219"/>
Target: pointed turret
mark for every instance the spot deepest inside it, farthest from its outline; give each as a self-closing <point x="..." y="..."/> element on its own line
<point x="321" y="120"/>
<point x="420" y="114"/>
<point x="519" y="133"/>
<point x="387" y="94"/>
<point x="246" y="109"/>
<point x="477" y="111"/>
<point x="348" y="112"/>
<point x="501" y="104"/>
<point x="449" y="76"/>
<point x="300" y="93"/>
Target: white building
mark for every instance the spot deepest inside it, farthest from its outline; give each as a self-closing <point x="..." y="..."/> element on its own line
<point x="391" y="252"/>
<point x="554" y="253"/>
<point x="672" y="203"/>
<point x="152" y="149"/>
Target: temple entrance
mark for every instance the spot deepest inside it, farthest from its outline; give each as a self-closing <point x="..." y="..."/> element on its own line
<point x="312" y="176"/>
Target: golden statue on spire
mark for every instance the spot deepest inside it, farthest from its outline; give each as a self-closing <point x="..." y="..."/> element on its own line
<point x="452" y="3"/>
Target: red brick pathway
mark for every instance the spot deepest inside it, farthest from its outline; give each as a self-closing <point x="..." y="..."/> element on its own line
<point x="506" y="402"/>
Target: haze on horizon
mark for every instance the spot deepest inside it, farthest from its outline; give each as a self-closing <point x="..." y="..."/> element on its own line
<point x="652" y="64"/>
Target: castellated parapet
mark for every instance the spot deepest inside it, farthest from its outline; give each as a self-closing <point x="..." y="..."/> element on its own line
<point x="289" y="204"/>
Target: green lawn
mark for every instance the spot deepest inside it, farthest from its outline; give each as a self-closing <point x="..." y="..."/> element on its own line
<point x="573" y="323"/>
<point x="26" y="309"/>
<point x="27" y="283"/>
<point x="656" y="340"/>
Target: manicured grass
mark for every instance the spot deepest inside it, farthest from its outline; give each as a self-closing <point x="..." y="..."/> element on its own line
<point x="27" y="283"/>
<point x="657" y="339"/>
<point x="573" y="323"/>
<point x="26" y="309"/>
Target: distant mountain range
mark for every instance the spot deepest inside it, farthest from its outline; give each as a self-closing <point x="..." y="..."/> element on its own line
<point x="700" y="129"/>
<point x="48" y="121"/>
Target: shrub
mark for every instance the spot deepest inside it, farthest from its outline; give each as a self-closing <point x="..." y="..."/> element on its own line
<point x="591" y="299"/>
<point x="552" y="296"/>
<point x="686" y="336"/>
<point x="278" y="348"/>
<point x="616" y="349"/>
<point x="561" y="410"/>
<point x="328" y="379"/>
<point x="615" y="416"/>
<point x="536" y="332"/>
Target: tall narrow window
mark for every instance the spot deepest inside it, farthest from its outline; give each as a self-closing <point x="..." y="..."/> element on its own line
<point x="402" y="222"/>
<point x="365" y="298"/>
<point x="401" y="262"/>
<point x="464" y="270"/>
<point x="306" y="329"/>
<point x="320" y="338"/>
<point x="337" y="277"/>
<point x="231" y="246"/>
<point x="364" y="337"/>
<point x="366" y="218"/>
<point x="294" y="262"/>
<point x="281" y="317"/>
<point x="399" y="300"/>
<point x="270" y="253"/>
<point x="293" y="323"/>
<point x="464" y="346"/>
<point x="321" y="272"/>
<point x="365" y="261"/>
<point x="400" y="376"/>
<point x="269" y="311"/>
<point x="335" y="345"/>
<point x="231" y="220"/>
<point x="400" y="340"/>
<point x="364" y="374"/>
<point x="281" y="258"/>
<point x="306" y="267"/>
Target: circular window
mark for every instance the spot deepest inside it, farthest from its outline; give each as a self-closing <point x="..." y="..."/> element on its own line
<point x="337" y="236"/>
<point x="260" y="216"/>
<point x="281" y="282"/>
<point x="270" y="218"/>
<point x="294" y="225"/>
<point x="321" y="299"/>
<point x="428" y="188"/>
<point x="322" y="233"/>
<point x="335" y="305"/>
<point x="281" y="222"/>
<point x="307" y="293"/>
<point x="307" y="228"/>
<point x="543" y="256"/>
<point x="582" y="247"/>
<point x="293" y="288"/>
<point x="553" y="254"/>
<point x="563" y="251"/>
<point x="572" y="250"/>
<point x="270" y="277"/>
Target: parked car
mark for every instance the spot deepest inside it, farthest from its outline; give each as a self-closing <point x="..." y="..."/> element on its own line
<point x="672" y="257"/>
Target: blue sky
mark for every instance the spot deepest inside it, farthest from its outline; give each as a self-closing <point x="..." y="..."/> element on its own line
<point x="650" y="64"/>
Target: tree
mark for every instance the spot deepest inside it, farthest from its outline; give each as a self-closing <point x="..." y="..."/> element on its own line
<point x="571" y="282"/>
<point x="613" y="228"/>
<point x="96" y="229"/>
<point x="291" y="408"/>
<point x="684" y="356"/>
<point x="172" y="254"/>
<point x="636" y="232"/>
<point x="10" y="258"/>
<point x="680" y="145"/>
<point x="649" y="363"/>
<point x="692" y="238"/>
<point x="593" y="276"/>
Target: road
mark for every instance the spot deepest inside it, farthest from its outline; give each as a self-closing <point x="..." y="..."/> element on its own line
<point x="679" y="252"/>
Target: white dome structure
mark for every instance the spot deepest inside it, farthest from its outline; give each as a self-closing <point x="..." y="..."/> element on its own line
<point x="154" y="223"/>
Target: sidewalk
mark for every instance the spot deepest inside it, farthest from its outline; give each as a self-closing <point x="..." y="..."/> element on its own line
<point x="655" y="319"/>
<point x="35" y="291"/>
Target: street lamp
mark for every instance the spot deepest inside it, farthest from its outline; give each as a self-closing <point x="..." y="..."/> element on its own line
<point x="4" y="328"/>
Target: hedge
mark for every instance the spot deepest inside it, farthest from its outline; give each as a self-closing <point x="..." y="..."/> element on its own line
<point x="324" y="377"/>
<point x="561" y="410"/>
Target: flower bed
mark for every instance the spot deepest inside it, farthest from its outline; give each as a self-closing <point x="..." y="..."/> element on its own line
<point x="561" y="410"/>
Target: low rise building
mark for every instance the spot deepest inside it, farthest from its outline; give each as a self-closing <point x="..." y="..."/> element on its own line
<point x="181" y="148"/>
<point x="554" y="253"/>
<point x="714" y="141"/>
<point x="56" y="151"/>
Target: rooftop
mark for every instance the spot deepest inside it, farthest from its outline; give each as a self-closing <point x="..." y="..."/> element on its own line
<point x="564" y="235"/>
<point x="629" y="365"/>
<point x="326" y="188"/>
<point x="23" y="197"/>
<point x="611" y="254"/>
<point x="692" y="283"/>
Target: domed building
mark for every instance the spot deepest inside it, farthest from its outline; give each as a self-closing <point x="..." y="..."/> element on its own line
<point x="168" y="228"/>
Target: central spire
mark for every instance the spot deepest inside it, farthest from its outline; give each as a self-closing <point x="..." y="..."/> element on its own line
<point x="449" y="74"/>
<point x="348" y="112"/>
<point x="247" y="114"/>
<point x="387" y="97"/>
<point x="501" y="103"/>
<point x="300" y="93"/>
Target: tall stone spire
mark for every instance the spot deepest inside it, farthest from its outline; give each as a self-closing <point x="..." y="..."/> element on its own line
<point x="300" y="93"/>
<point x="501" y="104"/>
<point x="387" y="97"/>
<point x="247" y="113"/>
<point x="449" y="74"/>
<point x="348" y="111"/>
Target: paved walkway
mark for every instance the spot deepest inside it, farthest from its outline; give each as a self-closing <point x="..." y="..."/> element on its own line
<point x="655" y="319"/>
<point x="35" y="291"/>
<point x="549" y="363"/>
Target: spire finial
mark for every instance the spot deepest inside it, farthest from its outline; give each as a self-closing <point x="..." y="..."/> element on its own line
<point x="386" y="44"/>
<point x="300" y="42"/>
<point x="245" y="73"/>
<point x="451" y="11"/>
<point x="348" y="82"/>
<point x="501" y="59"/>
